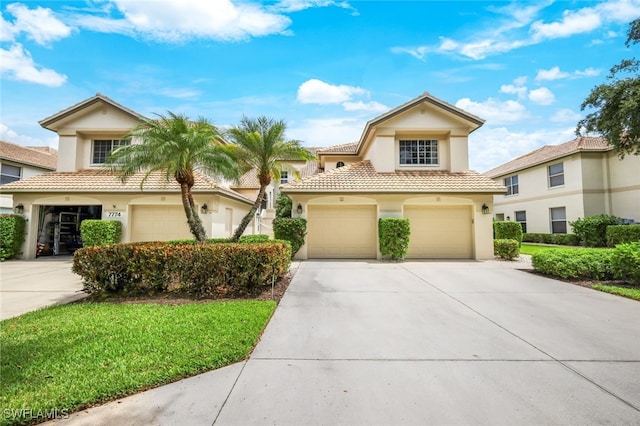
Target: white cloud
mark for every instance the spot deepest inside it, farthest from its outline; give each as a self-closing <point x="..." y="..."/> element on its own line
<point x="551" y="74"/>
<point x="490" y="147"/>
<point x="9" y="135"/>
<point x="495" y="111"/>
<point x="18" y="64"/>
<point x="315" y="91"/>
<point x="520" y="91"/>
<point x="542" y="96"/>
<point x="588" y="72"/>
<point x="573" y="22"/>
<point x="620" y="11"/>
<point x="365" y="106"/>
<point x="565" y="115"/>
<point x="298" y="5"/>
<point x="39" y="24"/>
<point x="419" y="52"/>
<point x="326" y="132"/>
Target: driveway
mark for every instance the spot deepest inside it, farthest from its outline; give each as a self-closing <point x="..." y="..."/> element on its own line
<point x="27" y="285"/>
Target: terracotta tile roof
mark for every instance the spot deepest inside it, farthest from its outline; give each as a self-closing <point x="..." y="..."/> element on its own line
<point x="345" y="148"/>
<point x="362" y="177"/>
<point x="102" y="180"/>
<point x="43" y="157"/>
<point x="249" y="180"/>
<point x="549" y="153"/>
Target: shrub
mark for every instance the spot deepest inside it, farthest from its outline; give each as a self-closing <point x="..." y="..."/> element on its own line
<point x="559" y="239"/>
<point x="507" y="230"/>
<point x="593" y="264"/>
<point x="283" y="206"/>
<point x="617" y="234"/>
<point x="625" y="262"/>
<point x="255" y="238"/>
<point x="394" y="237"/>
<point x="96" y="232"/>
<point x="291" y="229"/>
<point x="506" y="249"/>
<point x="12" y="235"/>
<point x="199" y="269"/>
<point x="592" y="230"/>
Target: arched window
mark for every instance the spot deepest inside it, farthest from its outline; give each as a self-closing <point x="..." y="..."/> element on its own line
<point x="340" y="164"/>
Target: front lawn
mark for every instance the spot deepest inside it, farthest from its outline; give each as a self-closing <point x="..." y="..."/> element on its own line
<point x="631" y="293"/>
<point x="534" y="248"/>
<point x="73" y="356"/>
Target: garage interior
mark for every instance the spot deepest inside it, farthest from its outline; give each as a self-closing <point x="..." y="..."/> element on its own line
<point x="59" y="228"/>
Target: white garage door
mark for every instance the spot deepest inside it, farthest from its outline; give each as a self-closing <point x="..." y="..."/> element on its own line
<point x="342" y="232"/>
<point x="440" y="232"/>
<point x="158" y="223"/>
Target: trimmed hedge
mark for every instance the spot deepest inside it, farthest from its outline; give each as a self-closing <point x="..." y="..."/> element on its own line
<point x="591" y="264"/>
<point x="394" y="237"/>
<point x="12" y="235"/>
<point x="508" y="230"/>
<point x="506" y="249"/>
<point x="592" y="230"/>
<point x="200" y="269"/>
<point x="254" y="238"/>
<point x="618" y="234"/>
<point x="559" y="239"/>
<point x="290" y="229"/>
<point x="95" y="232"/>
<point x="625" y="262"/>
<point x="283" y="206"/>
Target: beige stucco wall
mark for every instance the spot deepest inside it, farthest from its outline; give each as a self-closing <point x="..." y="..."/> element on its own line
<point x="214" y="220"/>
<point x="624" y="177"/>
<point x="6" y="200"/>
<point x="392" y="205"/>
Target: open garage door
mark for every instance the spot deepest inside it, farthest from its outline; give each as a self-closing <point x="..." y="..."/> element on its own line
<point x="440" y="232"/>
<point x="342" y="232"/>
<point x="159" y="223"/>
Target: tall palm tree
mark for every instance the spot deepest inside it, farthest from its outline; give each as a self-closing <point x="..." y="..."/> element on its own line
<point x="179" y="147"/>
<point x="258" y="144"/>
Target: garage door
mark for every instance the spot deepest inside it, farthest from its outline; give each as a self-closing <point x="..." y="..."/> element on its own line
<point x="342" y="232"/>
<point x="158" y="223"/>
<point x="439" y="232"/>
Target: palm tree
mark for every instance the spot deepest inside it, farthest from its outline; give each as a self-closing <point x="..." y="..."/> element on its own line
<point x="179" y="147"/>
<point x="258" y="144"/>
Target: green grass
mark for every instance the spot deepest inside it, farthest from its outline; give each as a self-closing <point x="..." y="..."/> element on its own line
<point x="73" y="356"/>
<point x="534" y="248"/>
<point x="631" y="293"/>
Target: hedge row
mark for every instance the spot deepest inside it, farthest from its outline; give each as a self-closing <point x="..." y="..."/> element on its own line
<point x="95" y="232"/>
<point x="622" y="263"/>
<point x="559" y="239"/>
<point x="12" y="235"/>
<point x="200" y="269"/>
<point x="618" y="234"/>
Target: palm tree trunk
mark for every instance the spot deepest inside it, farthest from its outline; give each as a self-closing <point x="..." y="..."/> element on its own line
<point x="193" y="219"/>
<point x="245" y="220"/>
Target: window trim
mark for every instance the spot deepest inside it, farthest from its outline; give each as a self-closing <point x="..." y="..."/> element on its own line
<point x="552" y="220"/>
<point x="12" y="178"/>
<point x="512" y="189"/>
<point x="432" y="155"/>
<point x="284" y="177"/>
<point x="120" y="142"/>
<point x="523" y="223"/>
<point x="555" y="175"/>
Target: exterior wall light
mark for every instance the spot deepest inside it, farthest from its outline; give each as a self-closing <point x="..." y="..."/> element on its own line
<point x="19" y="209"/>
<point x="485" y="209"/>
<point x="299" y="208"/>
<point x="204" y="208"/>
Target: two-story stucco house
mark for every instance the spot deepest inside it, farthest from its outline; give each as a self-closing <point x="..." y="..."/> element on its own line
<point x="55" y="203"/>
<point x="21" y="162"/>
<point x="557" y="184"/>
<point x="410" y="162"/>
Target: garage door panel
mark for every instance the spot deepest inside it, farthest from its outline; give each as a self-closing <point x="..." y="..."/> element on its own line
<point x="440" y="232"/>
<point x="342" y="232"/>
<point x="159" y="223"/>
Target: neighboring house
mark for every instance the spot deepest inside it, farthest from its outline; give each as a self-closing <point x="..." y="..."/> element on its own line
<point x="557" y="184"/>
<point x="410" y="162"/>
<point x="55" y="203"/>
<point x="21" y="162"/>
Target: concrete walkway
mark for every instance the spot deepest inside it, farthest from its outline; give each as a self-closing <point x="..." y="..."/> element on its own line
<point x="27" y="285"/>
<point x="415" y="343"/>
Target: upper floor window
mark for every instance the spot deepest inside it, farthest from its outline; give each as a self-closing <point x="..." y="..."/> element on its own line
<point x="419" y="152"/>
<point x="512" y="184"/>
<point x="284" y="176"/>
<point x="10" y="173"/>
<point x="103" y="147"/>
<point x="521" y="217"/>
<point x="558" y="220"/>
<point x="556" y="175"/>
<point x="339" y="164"/>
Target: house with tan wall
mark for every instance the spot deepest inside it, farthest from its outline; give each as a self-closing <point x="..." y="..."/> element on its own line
<point x="557" y="184"/>
<point x="55" y="203"/>
<point x="22" y="162"/>
<point x="410" y="162"/>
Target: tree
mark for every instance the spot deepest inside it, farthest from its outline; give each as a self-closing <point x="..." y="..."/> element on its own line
<point x="617" y="104"/>
<point x="179" y="147"/>
<point x="258" y="144"/>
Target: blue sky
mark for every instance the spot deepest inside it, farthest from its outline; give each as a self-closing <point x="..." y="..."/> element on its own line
<point x="326" y="67"/>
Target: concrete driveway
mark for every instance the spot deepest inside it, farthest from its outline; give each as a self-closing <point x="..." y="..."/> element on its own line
<point x="417" y="343"/>
<point x="27" y="285"/>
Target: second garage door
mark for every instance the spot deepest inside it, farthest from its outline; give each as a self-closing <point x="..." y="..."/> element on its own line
<point x="439" y="232"/>
<point x="342" y="232"/>
<point x="159" y="223"/>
